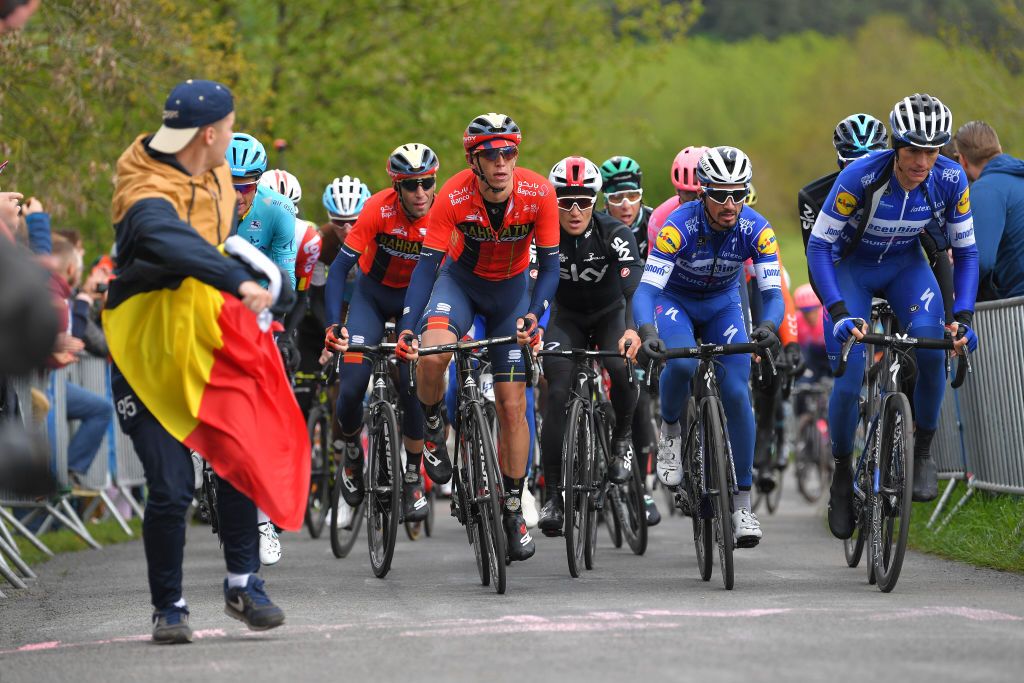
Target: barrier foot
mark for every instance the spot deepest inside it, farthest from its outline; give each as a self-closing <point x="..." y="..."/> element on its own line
<point x="115" y="513"/>
<point x="72" y="521"/>
<point x="5" y="533"/>
<point x="3" y="596"/>
<point x="126" y="492"/>
<point x="959" y="504"/>
<point x="12" y="552"/>
<point x="23" y="530"/>
<point x="942" y="502"/>
<point x="8" y="573"/>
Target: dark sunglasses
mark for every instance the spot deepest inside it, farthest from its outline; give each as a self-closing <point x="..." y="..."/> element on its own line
<point x="722" y="196"/>
<point x="410" y="184"/>
<point x="510" y="152"/>
<point x="582" y="203"/>
<point x="246" y="188"/>
<point x="342" y="222"/>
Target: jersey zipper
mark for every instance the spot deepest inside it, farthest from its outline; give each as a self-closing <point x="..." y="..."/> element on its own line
<point x="906" y="196"/>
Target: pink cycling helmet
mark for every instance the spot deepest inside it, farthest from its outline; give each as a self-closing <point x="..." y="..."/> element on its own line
<point x="684" y="169"/>
<point x="804" y="297"/>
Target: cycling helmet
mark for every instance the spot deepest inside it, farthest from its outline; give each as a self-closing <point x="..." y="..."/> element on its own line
<point x="575" y="175"/>
<point x="920" y="121"/>
<point x="345" y="196"/>
<point x="412" y="160"/>
<point x="804" y="297"/>
<point x="684" y="169"/>
<point x="858" y="134"/>
<point x="724" y="166"/>
<point x="246" y="156"/>
<point x="492" y="130"/>
<point x="284" y="183"/>
<point x="751" y="198"/>
<point x="621" y="173"/>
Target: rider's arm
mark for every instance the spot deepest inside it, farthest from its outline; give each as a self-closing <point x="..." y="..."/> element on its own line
<point x="655" y="277"/>
<point x="769" y="276"/>
<point x="840" y="206"/>
<point x="546" y="237"/>
<point x="629" y="265"/>
<point x="337" y="278"/>
<point x="960" y="227"/>
<point x="420" y="285"/>
<point x="283" y="245"/>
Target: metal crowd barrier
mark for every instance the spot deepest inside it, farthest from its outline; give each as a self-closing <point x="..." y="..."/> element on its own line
<point x="989" y="409"/>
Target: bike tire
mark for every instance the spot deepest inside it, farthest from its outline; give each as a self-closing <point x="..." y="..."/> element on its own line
<point x="577" y="444"/>
<point x="774" y="497"/>
<point x="811" y="474"/>
<point x="633" y="514"/>
<point x="611" y="519"/>
<point x="890" y="525"/>
<point x="853" y="547"/>
<point x="488" y="489"/>
<point x="703" y="528"/>
<point x="319" y="500"/>
<point x="343" y="539"/>
<point x="719" y="487"/>
<point x="596" y="482"/>
<point x="383" y="490"/>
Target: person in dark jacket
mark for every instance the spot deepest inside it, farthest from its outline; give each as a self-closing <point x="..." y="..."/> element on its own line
<point x="997" y="200"/>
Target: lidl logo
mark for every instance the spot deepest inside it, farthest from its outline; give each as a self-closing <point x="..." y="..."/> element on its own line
<point x="669" y="240"/>
<point x="964" y="205"/>
<point x="846" y="203"/>
<point x="766" y="243"/>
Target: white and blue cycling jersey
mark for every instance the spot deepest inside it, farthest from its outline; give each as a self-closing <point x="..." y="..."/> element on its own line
<point x="270" y="226"/>
<point x="940" y="204"/>
<point x="690" y="260"/>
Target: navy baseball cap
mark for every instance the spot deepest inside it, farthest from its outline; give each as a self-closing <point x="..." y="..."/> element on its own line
<point x="190" y="106"/>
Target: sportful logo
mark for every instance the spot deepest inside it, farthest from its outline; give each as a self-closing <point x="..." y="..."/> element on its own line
<point x="927" y="298"/>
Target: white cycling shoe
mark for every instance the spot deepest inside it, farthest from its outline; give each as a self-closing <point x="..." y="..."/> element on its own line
<point x="530" y="513"/>
<point x="270" y="544"/>
<point x="670" y="462"/>
<point x="746" y="530"/>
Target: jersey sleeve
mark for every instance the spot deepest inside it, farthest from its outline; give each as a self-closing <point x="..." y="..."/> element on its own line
<point x="845" y="197"/>
<point x="283" y="244"/>
<point x="440" y="224"/>
<point x="364" y="229"/>
<point x="959" y="220"/>
<point x="546" y="228"/>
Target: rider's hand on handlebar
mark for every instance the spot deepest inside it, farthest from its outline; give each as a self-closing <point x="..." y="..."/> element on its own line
<point x="845" y="327"/>
<point x="963" y="335"/>
<point x="765" y="337"/>
<point x="631" y="338"/>
<point x="527" y="329"/>
<point x="408" y="346"/>
<point x="336" y="339"/>
<point x="254" y="297"/>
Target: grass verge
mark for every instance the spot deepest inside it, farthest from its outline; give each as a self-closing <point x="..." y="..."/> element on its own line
<point x="106" y="533"/>
<point x="981" y="532"/>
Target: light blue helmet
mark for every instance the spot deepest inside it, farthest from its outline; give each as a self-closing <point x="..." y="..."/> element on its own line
<point x="345" y="196"/>
<point x="246" y="156"/>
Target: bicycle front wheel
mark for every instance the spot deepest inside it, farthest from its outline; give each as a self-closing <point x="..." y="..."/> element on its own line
<point x="701" y="514"/>
<point x="577" y="450"/>
<point x="488" y="493"/>
<point x="383" y="490"/>
<point x="890" y="520"/>
<point x="319" y="500"/>
<point x="719" y="487"/>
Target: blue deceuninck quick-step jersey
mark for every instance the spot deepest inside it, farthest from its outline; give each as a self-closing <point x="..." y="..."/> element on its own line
<point x="270" y="227"/>
<point x="941" y="204"/>
<point x="690" y="260"/>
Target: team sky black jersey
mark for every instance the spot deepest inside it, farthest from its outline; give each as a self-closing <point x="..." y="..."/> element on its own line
<point x="809" y="202"/>
<point x="599" y="268"/>
<point x="639" y="228"/>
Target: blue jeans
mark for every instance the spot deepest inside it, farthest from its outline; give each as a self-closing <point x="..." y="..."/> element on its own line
<point x="95" y="412"/>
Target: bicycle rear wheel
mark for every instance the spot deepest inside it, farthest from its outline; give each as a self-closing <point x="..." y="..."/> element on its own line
<point x="890" y="520"/>
<point x="576" y="451"/>
<point x="596" y="490"/>
<point x="383" y="491"/>
<point x="488" y="492"/>
<point x="345" y="523"/>
<point x="853" y="547"/>
<point x="631" y="512"/>
<point x="774" y="497"/>
<point x="319" y="500"/>
<point x="812" y="475"/>
<point x="718" y="484"/>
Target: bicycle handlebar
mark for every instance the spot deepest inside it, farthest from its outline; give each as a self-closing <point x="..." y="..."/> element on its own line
<point x="577" y="354"/>
<point x="906" y="342"/>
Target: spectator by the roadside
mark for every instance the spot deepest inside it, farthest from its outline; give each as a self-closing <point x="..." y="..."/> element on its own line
<point x="997" y="202"/>
<point x="14" y="14"/>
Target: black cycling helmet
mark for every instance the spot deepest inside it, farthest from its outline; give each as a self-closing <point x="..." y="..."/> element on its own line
<point x="920" y="121"/>
<point x="857" y="135"/>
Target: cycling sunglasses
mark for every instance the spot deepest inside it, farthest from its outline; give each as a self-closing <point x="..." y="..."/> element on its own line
<point x="509" y="153"/>
<point x="722" y="196"/>
<point x="624" y="197"/>
<point x="339" y="222"/>
<point x="581" y="203"/>
<point x="410" y="184"/>
<point x="246" y="188"/>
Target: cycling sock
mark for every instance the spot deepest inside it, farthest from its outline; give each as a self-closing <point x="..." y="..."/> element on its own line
<point x="923" y="442"/>
<point x="237" y="580"/>
<point x="412" y="461"/>
<point x="742" y="499"/>
<point x="180" y="603"/>
<point x="671" y="428"/>
<point x="433" y="413"/>
<point x="513" y="493"/>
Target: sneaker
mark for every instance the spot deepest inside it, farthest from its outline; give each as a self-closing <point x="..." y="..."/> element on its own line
<point x="520" y="543"/>
<point x="621" y="468"/>
<point x="252" y="606"/>
<point x="746" y="530"/>
<point x="670" y="462"/>
<point x="765" y="481"/>
<point x="435" y="452"/>
<point x="926" y="480"/>
<point x="841" y="521"/>
<point x="270" y="544"/>
<point x="653" y="516"/>
<point x="344" y="520"/>
<point x="170" y="626"/>
<point x="530" y="513"/>
<point x="352" y="473"/>
<point x="552" y="515"/>
<point x="414" y="502"/>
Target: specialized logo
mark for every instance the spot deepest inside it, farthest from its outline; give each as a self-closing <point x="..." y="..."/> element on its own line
<point x="672" y="312"/>
<point x="731" y="332"/>
<point x="845" y="204"/>
<point x="766" y="242"/>
<point x="964" y="204"/>
<point x="669" y="240"/>
<point x="927" y="298"/>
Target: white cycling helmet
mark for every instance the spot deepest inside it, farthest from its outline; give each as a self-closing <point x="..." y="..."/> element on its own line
<point x="284" y="183"/>
<point x="921" y="121"/>
<point x="575" y="175"/>
<point x="724" y="166"/>
<point x="345" y="196"/>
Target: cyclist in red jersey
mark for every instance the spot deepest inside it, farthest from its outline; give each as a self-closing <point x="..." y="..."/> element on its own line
<point x="385" y="242"/>
<point x="484" y="221"/>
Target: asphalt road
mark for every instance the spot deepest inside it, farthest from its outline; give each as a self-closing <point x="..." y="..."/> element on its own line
<point x="797" y="613"/>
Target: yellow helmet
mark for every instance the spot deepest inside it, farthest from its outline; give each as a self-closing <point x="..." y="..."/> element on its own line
<point x="751" y="199"/>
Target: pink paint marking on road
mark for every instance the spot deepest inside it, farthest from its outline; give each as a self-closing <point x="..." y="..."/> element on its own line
<point x="971" y="613"/>
<point x="547" y="627"/>
<point x="716" y="614"/>
<point x="32" y="647"/>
